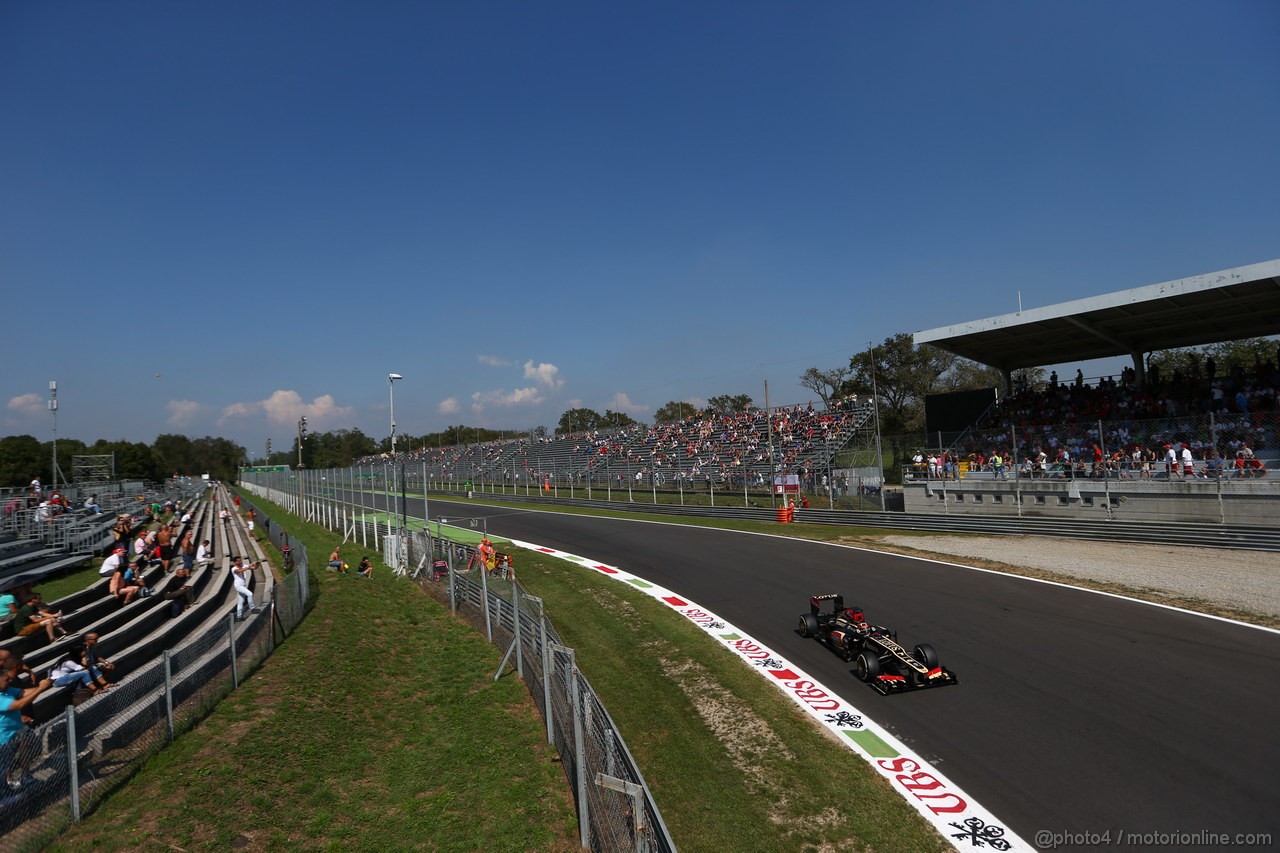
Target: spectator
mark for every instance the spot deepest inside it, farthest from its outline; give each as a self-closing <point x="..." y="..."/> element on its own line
<point x="69" y="671"/>
<point x="96" y="665"/>
<point x="8" y="605"/>
<point x="121" y="529"/>
<point x="335" y="560"/>
<point x="365" y="569"/>
<point x="34" y="616"/>
<point x="13" y="701"/>
<point x="241" y="576"/>
<point x="164" y="544"/>
<point x="204" y="554"/>
<point x="91" y="504"/>
<point x="187" y="547"/>
<point x="121" y="586"/>
<point x="249" y="516"/>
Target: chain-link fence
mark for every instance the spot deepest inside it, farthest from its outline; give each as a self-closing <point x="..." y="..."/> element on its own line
<point x="60" y="770"/>
<point x="616" y="811"/>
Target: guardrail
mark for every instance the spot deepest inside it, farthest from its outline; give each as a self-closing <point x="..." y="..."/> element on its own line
<point x="1201" y="535"/>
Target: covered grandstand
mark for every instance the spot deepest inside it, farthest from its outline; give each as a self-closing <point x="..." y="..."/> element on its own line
<point x="1196" y="447"/>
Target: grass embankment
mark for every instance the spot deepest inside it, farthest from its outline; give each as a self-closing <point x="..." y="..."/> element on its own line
<point x="378" y="726"/>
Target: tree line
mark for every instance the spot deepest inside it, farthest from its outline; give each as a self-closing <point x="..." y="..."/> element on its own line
<point x="900" y="373"/>
<point x="23" y="457"/>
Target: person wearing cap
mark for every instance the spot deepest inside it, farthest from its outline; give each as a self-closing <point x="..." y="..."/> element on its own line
<point x="1170" y="461"/>
<point x="113" y="562"/>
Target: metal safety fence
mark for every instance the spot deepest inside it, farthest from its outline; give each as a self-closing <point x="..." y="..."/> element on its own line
<point x="60" y="770"/>
<point x="616" y="810"/>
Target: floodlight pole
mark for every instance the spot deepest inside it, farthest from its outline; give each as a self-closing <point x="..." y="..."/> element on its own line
<point x="53" y="410"/>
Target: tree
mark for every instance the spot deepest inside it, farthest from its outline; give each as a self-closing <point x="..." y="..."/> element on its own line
<point x="1241" y="358"/>
<point x="825" y="383"/>
<point x="21" y="459"/>
<point x="174" y="454"/>
<point x="674" y="411"/>
<point x="578" y="420"/>
<point x="728" y="404"/>
<point x="617" y="420"/>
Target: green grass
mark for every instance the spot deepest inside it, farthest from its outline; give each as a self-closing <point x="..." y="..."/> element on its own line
<point x="378" y="726"/>
<point x="732" y="763"/>
<point x="70" y="580"/>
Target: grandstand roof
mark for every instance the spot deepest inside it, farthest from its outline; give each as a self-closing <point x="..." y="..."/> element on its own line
<point x="1243" y="302"/>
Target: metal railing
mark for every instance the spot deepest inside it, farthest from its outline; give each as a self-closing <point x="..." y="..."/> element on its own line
<point x="60" y="770"/>
<point x="616" y="811"/>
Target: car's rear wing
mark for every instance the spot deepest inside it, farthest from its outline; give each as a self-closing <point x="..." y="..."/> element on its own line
<point x="815" y="602"/>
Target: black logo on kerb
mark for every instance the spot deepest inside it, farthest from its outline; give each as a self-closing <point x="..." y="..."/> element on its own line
<point x="844" y="718"/>
<point x="979" y="833"/>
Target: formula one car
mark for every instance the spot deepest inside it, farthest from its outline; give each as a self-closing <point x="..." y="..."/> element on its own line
<point x="880" y="661"/>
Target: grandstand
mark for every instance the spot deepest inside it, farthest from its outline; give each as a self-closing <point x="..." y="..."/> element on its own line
<point x="736" y="452"/>
<point x="1075" y="449"/>
<point x="166" y="648"/>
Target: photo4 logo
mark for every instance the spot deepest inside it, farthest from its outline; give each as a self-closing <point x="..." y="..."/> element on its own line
<point x="963" y="822"/>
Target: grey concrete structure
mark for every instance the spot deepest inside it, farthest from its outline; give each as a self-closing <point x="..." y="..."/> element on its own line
<point x="1243" y="302"/>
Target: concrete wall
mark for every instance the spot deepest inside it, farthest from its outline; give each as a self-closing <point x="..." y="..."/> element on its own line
<point x="1253" y="502"/>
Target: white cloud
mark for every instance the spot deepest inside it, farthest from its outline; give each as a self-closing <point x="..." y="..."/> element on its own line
<point x="28" y="405"/>
<point x="517" y="397"/>
<point x="182" y="413"/>
<point x="543" y="373"/>
<point x="493" y="361"/>
<point x="622" y="403"/>
<point x="449" y="406"/>
<point x="285" y="407"/>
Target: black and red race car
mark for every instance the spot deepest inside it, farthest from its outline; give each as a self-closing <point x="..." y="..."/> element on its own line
<point x="879" y="660"/>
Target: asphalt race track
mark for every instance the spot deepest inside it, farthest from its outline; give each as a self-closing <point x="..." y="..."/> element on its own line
<point x="1076" y="712"/>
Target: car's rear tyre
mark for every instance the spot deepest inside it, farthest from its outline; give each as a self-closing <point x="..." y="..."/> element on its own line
<point x="926" y="655"/>
<point x="868" y="665"/>
<point x="808" y="625"/>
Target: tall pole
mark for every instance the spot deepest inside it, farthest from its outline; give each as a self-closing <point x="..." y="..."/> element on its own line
<point x="773" y="469"/>
<point x="53" y="410"/>
<point x="391" y="383"/>
<point x="875" y="401"/>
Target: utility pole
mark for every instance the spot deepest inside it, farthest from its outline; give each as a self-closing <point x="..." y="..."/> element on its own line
<point x="302" y="436"/>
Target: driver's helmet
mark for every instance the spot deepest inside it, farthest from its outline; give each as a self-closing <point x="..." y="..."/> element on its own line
<point x="854" y="614"/>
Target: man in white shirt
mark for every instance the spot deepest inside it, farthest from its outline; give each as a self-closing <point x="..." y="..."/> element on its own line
<point x="204" y="554"/>
<point x="115" y="561"/>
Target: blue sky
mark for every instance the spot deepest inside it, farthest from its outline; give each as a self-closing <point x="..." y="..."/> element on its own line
<point x="218" y="217"/>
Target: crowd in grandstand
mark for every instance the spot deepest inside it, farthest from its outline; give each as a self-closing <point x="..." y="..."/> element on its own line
<point x="730" y="449"/>
<point x="1198" y="425"/>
